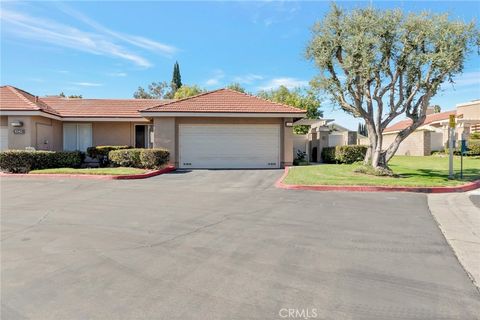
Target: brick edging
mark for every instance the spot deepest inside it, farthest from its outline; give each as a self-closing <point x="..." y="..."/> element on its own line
<point x="462" y="188"/>
<point x="93" y="176"/>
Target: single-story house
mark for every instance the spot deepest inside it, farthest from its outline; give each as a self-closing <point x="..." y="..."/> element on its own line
<point x="216" y="129"/>
<point x="433" y="134"/>
<point x="322" y="133"/>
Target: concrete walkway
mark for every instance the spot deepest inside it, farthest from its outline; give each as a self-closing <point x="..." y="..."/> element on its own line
<point x="459" y="219"/>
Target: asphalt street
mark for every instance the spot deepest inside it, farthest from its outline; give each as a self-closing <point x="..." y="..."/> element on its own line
<point x="223" y="244"/>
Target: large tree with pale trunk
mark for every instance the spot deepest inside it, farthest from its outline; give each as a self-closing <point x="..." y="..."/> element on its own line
<point x="380" y="65"/>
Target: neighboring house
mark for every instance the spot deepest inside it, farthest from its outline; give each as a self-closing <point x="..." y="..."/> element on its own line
<point x="217" y="129"/>
<point x="322" y="133"/>
<point x="433" y="134"/>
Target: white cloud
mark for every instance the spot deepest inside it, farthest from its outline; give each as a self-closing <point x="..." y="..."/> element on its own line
<point x="218" y="75"/>
<point x="285" y="81"/>
<point x="87" y="84"/>
<point x="467" y="79"/>
<point x="138" y="41"/>
<point x="102" y="42"/>
<point x="248" y="78"/>
<point x="117" y="74"/>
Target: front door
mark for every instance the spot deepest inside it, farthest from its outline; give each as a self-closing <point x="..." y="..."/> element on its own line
<point x="140" y="136"/>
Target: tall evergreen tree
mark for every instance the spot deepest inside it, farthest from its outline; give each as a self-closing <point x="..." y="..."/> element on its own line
<point x="176" y="78"/>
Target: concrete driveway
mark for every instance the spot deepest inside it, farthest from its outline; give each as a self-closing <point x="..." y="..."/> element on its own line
<point x="222" y="245"/>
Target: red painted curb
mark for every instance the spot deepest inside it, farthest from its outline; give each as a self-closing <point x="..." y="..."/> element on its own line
<point x="462" y="188"/>
<point x="93" y="176"/>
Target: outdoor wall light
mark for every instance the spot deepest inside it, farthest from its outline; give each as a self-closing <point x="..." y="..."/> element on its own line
<point x="288" y="124"/>
<point x="17" y="124"/>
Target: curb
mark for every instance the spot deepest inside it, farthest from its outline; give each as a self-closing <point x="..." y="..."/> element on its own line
<point x="94" y="176"/>
<point x="462" y="188"/>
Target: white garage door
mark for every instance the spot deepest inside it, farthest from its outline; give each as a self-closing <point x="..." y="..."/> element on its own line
<point x="4" y="138"/>
<point x="229" y="146"/>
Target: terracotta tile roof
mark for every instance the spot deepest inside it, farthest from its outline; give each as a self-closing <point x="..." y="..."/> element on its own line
<point x="116" y="108"/>
<point x="434" y="117"/>
<point x="14" y="99"/>
<point x="225" y="101"/>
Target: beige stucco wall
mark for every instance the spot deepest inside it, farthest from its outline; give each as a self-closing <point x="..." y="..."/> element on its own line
<point x="416" y="144"/>
<point x="40" y="133"/>
<point x="166" y="133"/>
<point x="470" y="111"/>
<point x="113" y="133"/>
<point x="47" y="134"/>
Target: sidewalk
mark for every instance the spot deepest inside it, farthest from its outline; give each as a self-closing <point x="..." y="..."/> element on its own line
<point x="459" y="219"/>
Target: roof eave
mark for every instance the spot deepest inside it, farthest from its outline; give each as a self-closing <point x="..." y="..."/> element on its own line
<point x="223" y="114"/>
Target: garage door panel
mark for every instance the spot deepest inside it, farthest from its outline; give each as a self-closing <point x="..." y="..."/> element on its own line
<point x="229" y="146"/>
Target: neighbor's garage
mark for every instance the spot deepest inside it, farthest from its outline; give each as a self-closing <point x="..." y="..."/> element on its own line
<point x="204" y="146"/>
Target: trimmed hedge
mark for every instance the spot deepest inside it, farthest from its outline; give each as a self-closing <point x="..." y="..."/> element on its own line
<point x="22" y="161"/>
<point x="102" y="151"/>
<point x="125" y="158"/>
<point x="139" y="158"/>
<point x="350" y="154"/>
<point x="344" y="154"/>
<point x="328" y="155"/>
<point x="154" y="158"/>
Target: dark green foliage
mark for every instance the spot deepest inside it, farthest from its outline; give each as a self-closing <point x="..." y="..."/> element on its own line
<point x="473" y="148"/>
<point x="102" y="151"/>
<point x="176" y="78"/>
<point x="22" y="161"/>
<point x="125" y="158"/>
<point x="344" y="154"/>
<point x="154" y="158"/>
<point x="328" y="155"/>
<point x="139" y="158"/>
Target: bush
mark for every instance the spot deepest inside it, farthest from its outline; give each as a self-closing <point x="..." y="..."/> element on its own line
<point x="328" y="155"/>
<point x="473" y="149"/>
<point x="139" y="158"/>
<point x="125" y="158"/>
<point x="101" y="153"/>
<point x="154" y="158"/>
<point x="475" y="136"/>
<point x="350" y="154"/>
<point x="22" y="161"/>
<point x="344" y="154"/>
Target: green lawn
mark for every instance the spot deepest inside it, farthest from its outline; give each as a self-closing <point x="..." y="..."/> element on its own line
<point x="106" y="171"/>
<point x="412" y="171"/>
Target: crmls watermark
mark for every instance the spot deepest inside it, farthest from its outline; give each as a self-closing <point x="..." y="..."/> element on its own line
<point x="295" y="313"/>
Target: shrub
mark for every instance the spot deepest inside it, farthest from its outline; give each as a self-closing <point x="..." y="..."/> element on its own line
<point x="22" y="161"/>
<point x="68" y="159"/>
<point x="381" y="172"/>
<point x="328" y="155"/>
<point x="350" y="154"/>
<point x="344" y="154"/>
<point x="475" y="136"/>
<point x="154" y="158"/>
<point x="473" y="149"/>
<point x="102" y="151"/>
<point x="139" y="158"/>
<point x="125" y="158"/>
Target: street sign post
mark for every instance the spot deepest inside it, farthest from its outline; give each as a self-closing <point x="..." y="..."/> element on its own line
<point x="462" y="151"/>
<point x="451" y="136"/>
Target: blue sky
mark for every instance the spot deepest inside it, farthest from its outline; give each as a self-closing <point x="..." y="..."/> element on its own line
<point x="108" y="49"/>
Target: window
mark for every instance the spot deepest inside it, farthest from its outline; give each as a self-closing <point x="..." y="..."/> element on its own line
<point x="77" y="136"/>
